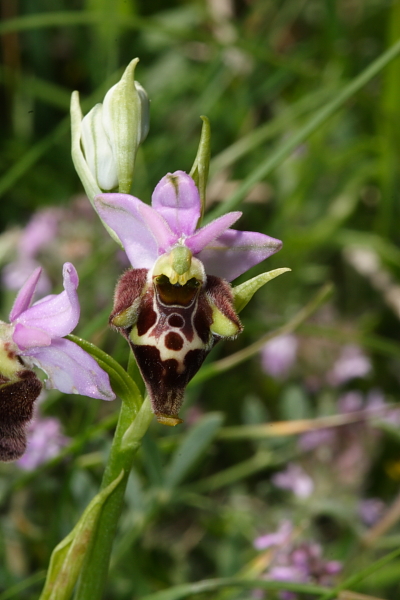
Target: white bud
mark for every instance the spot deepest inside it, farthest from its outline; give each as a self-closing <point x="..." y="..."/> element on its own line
<point x="97" y="148"/>
<point x="110" y="135"/>
<point x="125" y="121"/>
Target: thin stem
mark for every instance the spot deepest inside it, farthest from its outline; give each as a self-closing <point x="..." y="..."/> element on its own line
<point x="94" y="571"/>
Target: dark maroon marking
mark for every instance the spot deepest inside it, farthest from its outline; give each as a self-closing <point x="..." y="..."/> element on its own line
<point x="173" y="341"/>
<point x="147" y="315"/>
<point x="203" y="319"/>
<point x="166" y="387"/>
<point x="16" y="409"/>
<point x="221" y="294"/>
<point x="128" y="289"/>
<point x="176" y="320"/>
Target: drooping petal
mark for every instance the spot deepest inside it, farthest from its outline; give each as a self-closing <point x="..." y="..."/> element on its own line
<point x="25" y="295"/>
<point x="177" y="199"/>
<point x="234" y="252"/>
<point x="29" y="337"/>
<point x="71" y="370"/>
<point x="121" y="213"/>
<point x="206" y="235"/>
<point x="56" y="315"/>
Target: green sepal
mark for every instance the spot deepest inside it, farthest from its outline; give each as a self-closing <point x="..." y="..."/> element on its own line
<point x="243" y="293"/>
<point x="222" y="325"/>
<point x="68" y="556"/>
<point x="199" y="170"/>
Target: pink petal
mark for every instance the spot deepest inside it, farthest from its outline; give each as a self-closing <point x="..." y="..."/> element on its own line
<point x="158" y="227"/>
<point x="206" y="235"/>
<point x="177" y="199"/>
<point x="25" y="295"/>
<point x="234" y="252"/>
<point x="121" y="213"/>
<point x="56" y="315"/>
<point x="71" y="370"/>
<point x="27" y="337"/>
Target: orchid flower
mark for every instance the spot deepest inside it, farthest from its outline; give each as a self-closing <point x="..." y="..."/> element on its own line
<point x="176" y="302"/>
<point x="35" y="338"/>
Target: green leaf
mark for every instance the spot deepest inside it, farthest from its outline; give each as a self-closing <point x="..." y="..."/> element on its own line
<point x="194" y="444"/>
<point x="67" y="558"/>
<point x="187" y="590"/>
<point x="244" y="292"/>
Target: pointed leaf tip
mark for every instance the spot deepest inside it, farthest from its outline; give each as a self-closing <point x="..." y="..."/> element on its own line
<point x="244" y="292"/>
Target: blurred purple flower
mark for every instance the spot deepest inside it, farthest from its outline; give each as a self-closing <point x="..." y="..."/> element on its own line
<point x="45" y="441"/>
<point x="371" y="510"/>
<point x="147" y="232"/>
<point x="41" y="229"/>
<point x="279" y="355"/>
<point x="315" y="438"/>
<point x="352" y="363"/>
<point x="349" y="402"/>
<point x="295" y="479"/>
<point x="297" y="562"/>
<point x="36" y="334"/>
<point x="279" y="538"/>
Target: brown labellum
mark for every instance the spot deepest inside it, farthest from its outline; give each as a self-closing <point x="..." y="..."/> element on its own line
<point x="171" y="328"/>
<point x="16" y="409"/>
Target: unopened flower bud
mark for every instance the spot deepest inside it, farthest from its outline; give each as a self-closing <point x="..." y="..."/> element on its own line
<point x="110" y="135"/>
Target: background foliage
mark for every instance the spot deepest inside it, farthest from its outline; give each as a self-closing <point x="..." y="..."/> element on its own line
<point x="259" y="70"/>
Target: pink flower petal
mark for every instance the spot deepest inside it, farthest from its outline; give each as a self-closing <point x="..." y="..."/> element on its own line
<point x="158" y="227"/>
<point x="25" y="295"/>
<point x="71" y="370"/>
<point x="121" y="213"/>
<point x="177" y="199"/>
<point x="234" y="252"/>
<point x="206" y="235"/>
<point x="28" y="337"/>
<point x="56" y="315"/>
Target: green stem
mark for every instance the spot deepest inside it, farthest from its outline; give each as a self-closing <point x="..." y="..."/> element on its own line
<point x="95" y="568"/>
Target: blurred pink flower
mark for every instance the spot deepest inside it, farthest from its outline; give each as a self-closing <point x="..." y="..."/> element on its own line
<point x="371" y="510"/>
<point x="296" y="562"/>
<point x="352" y="363"/>
<point x="315" y="438"/>
<point x="45" y="441"/>
<point x="295" y="479"/>
<point x="279" y="538"/>
<point x="279" y="355"/>
<point x="40" y="230"/>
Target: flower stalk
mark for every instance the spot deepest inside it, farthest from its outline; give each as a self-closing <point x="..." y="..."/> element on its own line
<point x="127" y="439"/>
